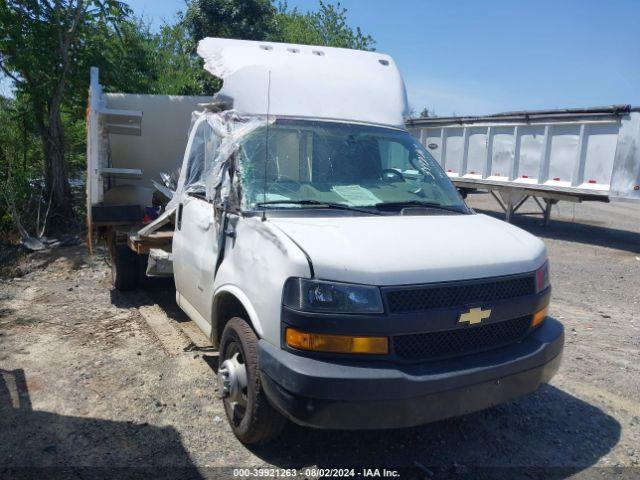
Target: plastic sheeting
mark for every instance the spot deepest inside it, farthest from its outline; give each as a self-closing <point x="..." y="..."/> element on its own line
<point x="207" y="168"/>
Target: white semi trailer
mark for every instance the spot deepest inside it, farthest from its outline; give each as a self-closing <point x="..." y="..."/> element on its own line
<point x="586" y="154"/>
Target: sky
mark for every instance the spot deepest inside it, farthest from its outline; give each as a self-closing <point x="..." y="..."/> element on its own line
<point x="470" y="57"/>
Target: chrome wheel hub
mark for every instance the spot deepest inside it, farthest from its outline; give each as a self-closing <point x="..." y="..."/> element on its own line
<point x="232" y="381"/>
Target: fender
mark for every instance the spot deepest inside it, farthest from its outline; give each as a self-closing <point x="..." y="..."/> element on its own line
<point x="244" y="300"/>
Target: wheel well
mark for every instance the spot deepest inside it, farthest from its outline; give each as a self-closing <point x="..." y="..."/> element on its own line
<point x="226" y="306"/>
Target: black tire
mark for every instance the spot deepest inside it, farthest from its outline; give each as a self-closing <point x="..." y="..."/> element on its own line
<point x="259" y="422"/>
<point x="124" y="267"/>
<point x="143" y="281"/>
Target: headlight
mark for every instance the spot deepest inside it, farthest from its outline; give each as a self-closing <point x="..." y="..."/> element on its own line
<point x="331" y="297"/>
<point x="542" y="277"/>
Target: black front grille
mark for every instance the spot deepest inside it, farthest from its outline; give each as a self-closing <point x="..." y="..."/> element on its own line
<point x="461" y="341"/>
<point x="458" y="294"/>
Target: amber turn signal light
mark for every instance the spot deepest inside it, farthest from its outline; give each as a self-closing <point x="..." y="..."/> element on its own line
<point x="539" y="316"/>
<point x="319" y="342"/>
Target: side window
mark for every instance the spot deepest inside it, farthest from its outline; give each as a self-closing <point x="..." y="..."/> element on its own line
<point x="394" y="155"/>
<point x="402" y="157"/>
<point x="195" y="164"/>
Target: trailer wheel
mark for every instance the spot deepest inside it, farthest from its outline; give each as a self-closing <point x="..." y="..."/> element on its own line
<point x="252" y="419"/>
<point x="124" y="267"/>
<point x="464" y="192"/>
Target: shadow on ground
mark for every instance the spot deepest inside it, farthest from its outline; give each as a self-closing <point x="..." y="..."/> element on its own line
<point x="574" y="231"/>
<point x="549" y="434"/>
<point x="154" y="291"/>
<point x="38" y="444"/>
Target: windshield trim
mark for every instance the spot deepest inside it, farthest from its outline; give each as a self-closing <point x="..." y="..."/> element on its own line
<point x="318" y="204"/>
<point x="275" y="119"/>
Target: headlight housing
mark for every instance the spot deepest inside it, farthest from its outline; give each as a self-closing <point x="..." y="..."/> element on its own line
<point x="542" y="277"/>
<point x="331" y="297"/>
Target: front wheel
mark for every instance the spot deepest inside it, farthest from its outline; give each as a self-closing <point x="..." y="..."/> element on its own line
<point x="252" y="419"/>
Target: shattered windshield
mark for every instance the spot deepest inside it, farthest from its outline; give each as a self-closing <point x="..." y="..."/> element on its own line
<point x="310" y="163"/>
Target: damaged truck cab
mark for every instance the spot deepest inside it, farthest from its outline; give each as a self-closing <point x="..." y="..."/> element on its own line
<point x="333" y="263"/>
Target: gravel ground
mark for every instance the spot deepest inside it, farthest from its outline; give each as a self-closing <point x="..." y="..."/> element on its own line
<point x="94" y="379"/>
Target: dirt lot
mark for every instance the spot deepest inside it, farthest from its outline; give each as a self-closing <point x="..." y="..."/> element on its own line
<point x="97" y="379"/>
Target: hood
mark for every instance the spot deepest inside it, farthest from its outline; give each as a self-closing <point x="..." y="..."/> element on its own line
<point x="398" y="250"/>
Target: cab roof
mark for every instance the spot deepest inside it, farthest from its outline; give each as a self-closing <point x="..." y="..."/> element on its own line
<point x="307" y="81"/>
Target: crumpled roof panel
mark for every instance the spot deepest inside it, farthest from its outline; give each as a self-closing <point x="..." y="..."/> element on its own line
<point x="307" y="81"/>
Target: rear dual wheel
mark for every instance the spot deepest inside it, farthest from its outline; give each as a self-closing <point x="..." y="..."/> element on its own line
<point x="252" y="419"/>
<point x="125" y="267"/>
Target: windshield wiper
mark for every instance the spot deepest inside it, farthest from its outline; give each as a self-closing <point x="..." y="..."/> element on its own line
<point x="319" y="203"/>
<point x="419" y="203"/>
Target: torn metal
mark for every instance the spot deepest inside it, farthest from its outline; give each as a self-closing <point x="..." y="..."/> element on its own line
<point x="160" y="263"/>
<point x="307" y="81"/>
<point x="207" y="169"/>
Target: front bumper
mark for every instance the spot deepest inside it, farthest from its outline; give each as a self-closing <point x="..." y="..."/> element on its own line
<point x="377" y="394"/>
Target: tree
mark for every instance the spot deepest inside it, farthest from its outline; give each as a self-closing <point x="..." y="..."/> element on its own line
<point x="327" y="26"/>
<point x="19" y="166"/>
<point x="42" y="44"/>
<point x="47" y="47"/>
<point x="261" y="20"/>
<point x="248" y="19"/>
<point x="179" y="71"/>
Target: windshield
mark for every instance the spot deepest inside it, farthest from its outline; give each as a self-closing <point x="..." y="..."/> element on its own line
<point x="313" y="162"/>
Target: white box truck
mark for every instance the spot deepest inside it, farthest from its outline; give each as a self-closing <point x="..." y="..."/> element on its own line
<point x="318" y="245"/>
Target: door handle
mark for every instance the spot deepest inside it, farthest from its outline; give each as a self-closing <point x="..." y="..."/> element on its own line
<point x="179" y="215"/>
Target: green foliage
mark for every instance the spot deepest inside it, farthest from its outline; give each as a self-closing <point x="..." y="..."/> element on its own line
<point x="20" y="162"/>
<point x="48" y="46"/>
<point x="34" y="34"/>
<point x="246" y="19"/>
<point x="178" y="71"/>
<point x="45" y="48"/>
<point x="327" y="26"/>
<point x="261" y="20"/>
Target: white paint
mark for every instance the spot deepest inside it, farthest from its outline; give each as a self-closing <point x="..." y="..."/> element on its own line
<point x="400" y="250"/>
<point x="237" y="292"/>
<point x="375" y="250"/>
<point x="261" y="255"/>
<point x="161" y="145"/>
<point x="193" y="314"/>
<point x="195" y="251"/>
<point x="156" y="142"/>
<point x="580" y="156"/>
<point x="307" y="81"/>
<point x="94" y="179"/>
<point x="257" y="264"/>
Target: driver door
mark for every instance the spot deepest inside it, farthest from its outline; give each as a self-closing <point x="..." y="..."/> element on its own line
<point x="195" y="241"/>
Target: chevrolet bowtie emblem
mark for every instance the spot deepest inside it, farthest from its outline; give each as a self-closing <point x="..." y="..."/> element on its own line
<point x="474" y="315"/>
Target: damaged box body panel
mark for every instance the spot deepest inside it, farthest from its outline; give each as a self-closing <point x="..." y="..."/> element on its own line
<point x="308" y="223"/>
<point x="307" y="81"/>
<point x="131" y="140"/>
